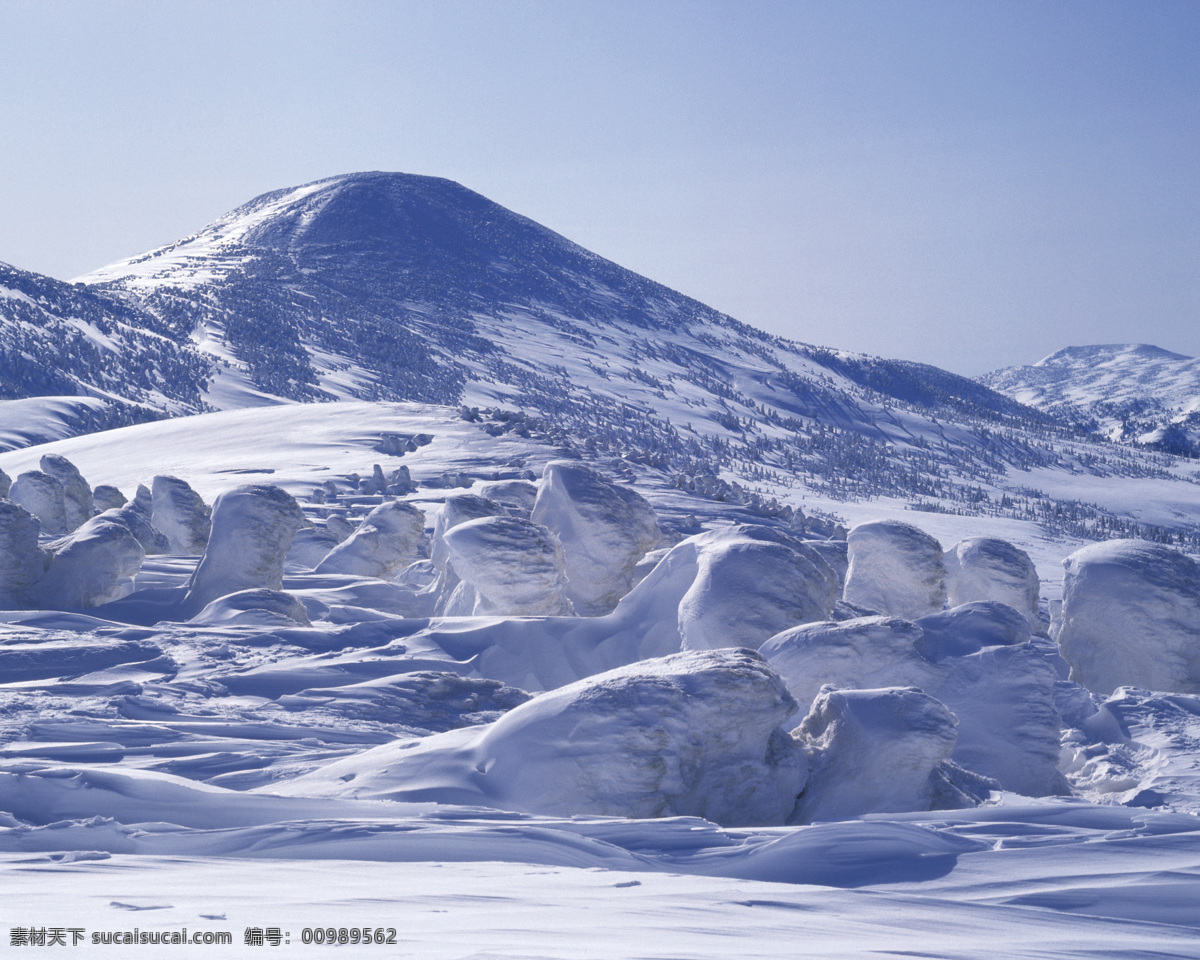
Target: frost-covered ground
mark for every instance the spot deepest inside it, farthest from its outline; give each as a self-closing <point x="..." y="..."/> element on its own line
<point x="391" y="752"/>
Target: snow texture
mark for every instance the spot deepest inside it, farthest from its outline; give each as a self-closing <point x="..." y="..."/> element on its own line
<point x="895" y="569"/>
<point x="605" y="529"/>
<point x="1131" y="616"/>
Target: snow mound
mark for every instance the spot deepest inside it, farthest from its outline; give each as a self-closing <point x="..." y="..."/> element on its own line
<point x="137" y="521"/>
<point x="260" y="607"/>
<point x="91" y="566"/>
<point x="518" y="495"/>
<point x="1000" y="688"/>
<point x="895" y="569"/>
<point x="458" y="509"/>
<point x="753" y="585"/>
<point x="387" y="540"/>
<point x="1131" y="616"/>
<point x="22" y="561"/>
<point x="873" y="751"/>
<point x="180" y="515"/>
<point x="77" y="495"/>
<point x="694" y="734"/>
<point x="863" y="653"/>
<point x="988" y="568"/>
<point x="505" y="566"/>
<point x="252" y="530"/>
<point x="605" y="529"/>
<point x="107" y="497"/>
<point x="43" y="496"/>
<point x="970" y="627"/>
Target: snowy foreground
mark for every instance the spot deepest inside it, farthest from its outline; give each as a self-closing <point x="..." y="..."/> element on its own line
<point x="492" y="704"/>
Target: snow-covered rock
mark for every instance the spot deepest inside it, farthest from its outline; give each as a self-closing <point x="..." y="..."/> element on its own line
<point x="873" y="751"/>
<point x="695" y="734"/>
<point x="387" y="540"/>
<point x="180" y="515"/>
<point x="505" y="566"/>
<point x="77" y="494"/>
<point x="106" y="497"/>
<point x="22" y="562"/>
<point x="43" y="496"/>
<point x="91" y="566"/>
<point x="1131" y="617"/>
<point x="252" y="529"/>
<point x="605" y="529"/>
<point x="988" y="568"/>
<point x="895" y="569"/>
<point x="751" y="586"/>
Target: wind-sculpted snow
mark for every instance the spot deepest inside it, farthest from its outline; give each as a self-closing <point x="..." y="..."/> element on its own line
<point x="77" y="495"/>
<point x="988" y="568"/>
<point x="895" y="569"/>
<point x="695" y="734"/>
<point x="180" y="515"/>
<point x="22" y="561"/>
<point x="43" y="496"/>
<point x="751" y="585"/>
<point x="976" y="659"/>
<point x="252" y="530"/>
<point x="91" y="566"/>
<point x="387" y="540"/>
<point x="873" y="751"/>
<point x="1131" y="616"/>
<point x="604" y="528"/>
<point x="505" y="566"/>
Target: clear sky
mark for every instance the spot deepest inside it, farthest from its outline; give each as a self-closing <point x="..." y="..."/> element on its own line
<point x="968" y="183"/>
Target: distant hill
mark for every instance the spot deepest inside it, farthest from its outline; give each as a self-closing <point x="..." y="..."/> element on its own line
<point x="1129" y="392"/>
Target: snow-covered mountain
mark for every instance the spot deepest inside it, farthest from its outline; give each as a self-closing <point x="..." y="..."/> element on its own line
<point x="120" y="363"/>
<point x="1129" y="392"/>
<point x="396" y="287"/>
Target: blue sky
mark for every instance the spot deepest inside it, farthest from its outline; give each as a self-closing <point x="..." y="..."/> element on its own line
<point x="969" y="184"/>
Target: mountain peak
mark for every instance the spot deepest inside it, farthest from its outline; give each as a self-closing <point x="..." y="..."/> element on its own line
<point x="1103" y="352"/>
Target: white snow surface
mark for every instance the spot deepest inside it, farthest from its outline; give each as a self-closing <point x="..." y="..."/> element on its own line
<point x="154" y="776"/>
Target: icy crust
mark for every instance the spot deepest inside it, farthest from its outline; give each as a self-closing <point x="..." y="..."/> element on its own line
<point x="605" y="529"/>
<point x="506" y="566"/>
<point x="895" y="569"/>
<point x="694" y="734"/>
<point x="1131" y="616"/>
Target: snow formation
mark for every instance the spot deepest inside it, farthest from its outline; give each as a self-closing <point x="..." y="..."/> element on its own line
<point x="179" y="513"/>
<point x="988" y="568"/>
<point x="387" y="540"/>
<point x="604" y="528"/>
<point x="895" y="569"/>
<point x="1131" y="616"/>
